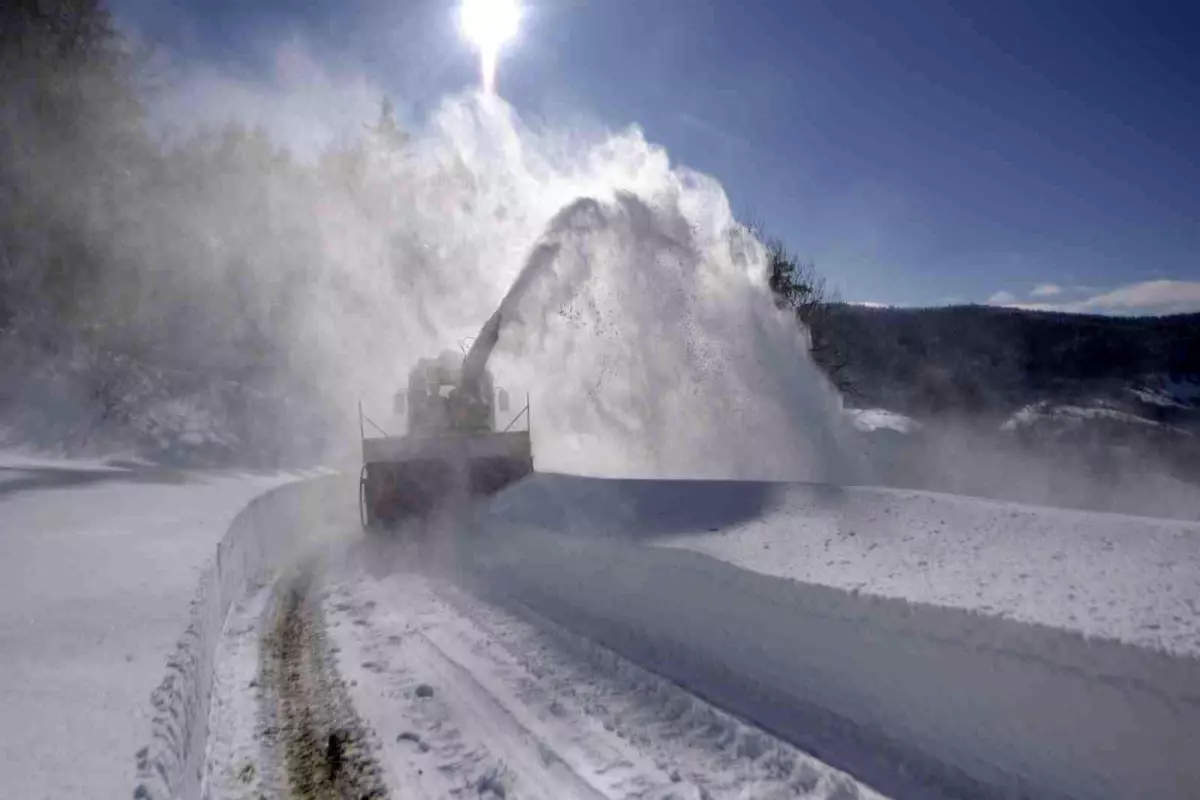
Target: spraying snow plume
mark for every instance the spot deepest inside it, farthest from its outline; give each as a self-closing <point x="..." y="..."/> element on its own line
<point x="666" y="356"/>
<point x="636" y="307"/>
<point x="232" y="285"/>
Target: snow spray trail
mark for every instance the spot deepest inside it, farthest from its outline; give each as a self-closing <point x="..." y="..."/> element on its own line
<point x="667" y="354"/>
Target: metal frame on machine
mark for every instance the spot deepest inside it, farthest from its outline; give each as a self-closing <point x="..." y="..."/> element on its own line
<point x="364" y="421"/>
<point x="362" y="473"/>
<point x="523" y="412"/>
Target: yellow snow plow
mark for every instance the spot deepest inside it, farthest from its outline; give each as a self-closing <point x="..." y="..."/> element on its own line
<point x="452" y="445"/>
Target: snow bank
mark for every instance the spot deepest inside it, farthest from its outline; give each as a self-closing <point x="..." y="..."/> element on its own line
<point x="261" y="538"/>
<point x="916" y="699"/>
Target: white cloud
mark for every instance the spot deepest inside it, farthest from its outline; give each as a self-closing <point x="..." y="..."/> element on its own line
<point x="1046" y="290"/>
<point x="1151" y="298"/>
<point x="869" y="304"/>
<point x="1147" y="297"/>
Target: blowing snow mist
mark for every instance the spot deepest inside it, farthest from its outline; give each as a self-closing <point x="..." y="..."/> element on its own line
<point x="634" y="307"/>
<point x="230" y="300"/>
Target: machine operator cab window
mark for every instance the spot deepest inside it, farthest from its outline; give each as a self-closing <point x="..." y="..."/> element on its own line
<point x="440" y="407"/>
<point x="422" y="402"/>
<point x="435" y="403"/>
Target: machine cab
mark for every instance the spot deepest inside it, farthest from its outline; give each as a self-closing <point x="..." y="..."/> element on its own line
<point x="436" y="402"/>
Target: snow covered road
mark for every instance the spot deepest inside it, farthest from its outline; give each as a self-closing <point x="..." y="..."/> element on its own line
<point x="929" y="646"/>
<point x="912" y="697"/>
<point x="524" y="705"/>
<point x="460" y="698"/>
<point x="1125" y="578"/>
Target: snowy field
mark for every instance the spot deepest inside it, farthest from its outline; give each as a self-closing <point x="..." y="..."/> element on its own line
<point x="98" y="565"/>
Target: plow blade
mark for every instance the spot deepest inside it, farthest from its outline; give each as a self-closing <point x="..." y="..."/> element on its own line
<point x="402" y="480"/>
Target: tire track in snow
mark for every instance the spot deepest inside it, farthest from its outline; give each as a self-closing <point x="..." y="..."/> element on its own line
<point x="313" y="732"/>
<point x="466" y="697"/>
<point x="696" y="742"/>
<point x="477" y="701"/>
<point x="445" y="731"/>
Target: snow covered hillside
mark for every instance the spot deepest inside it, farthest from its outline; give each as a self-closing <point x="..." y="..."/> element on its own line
<point x="1130" y="579"/>
<point x="90" y="403"/>
<point x="1129" y="457"/>
<point x="971" y="359"/>
<point x="97" y="568"/>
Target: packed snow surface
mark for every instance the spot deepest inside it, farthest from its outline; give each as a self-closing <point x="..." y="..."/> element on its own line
<point x="466" y="697"/>
<point x="97" y="568"/>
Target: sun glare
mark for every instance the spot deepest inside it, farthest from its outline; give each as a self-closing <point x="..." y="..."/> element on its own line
<point x="489" y="24"/>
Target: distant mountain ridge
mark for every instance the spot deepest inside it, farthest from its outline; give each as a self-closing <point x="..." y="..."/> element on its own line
<point x="1061" y="409"/>
<point x="995" y="361"/>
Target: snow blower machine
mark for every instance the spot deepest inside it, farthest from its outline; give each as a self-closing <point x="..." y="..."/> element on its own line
<point x="452" y="446"/>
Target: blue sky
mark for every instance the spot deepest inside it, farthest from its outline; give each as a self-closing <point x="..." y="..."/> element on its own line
<point x="921" y="152"/>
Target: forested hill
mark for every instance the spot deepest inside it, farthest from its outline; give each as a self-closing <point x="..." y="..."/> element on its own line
<point x="979" y="359"/>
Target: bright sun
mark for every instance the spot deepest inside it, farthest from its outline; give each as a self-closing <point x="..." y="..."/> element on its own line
<point x="489" y="24"/>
